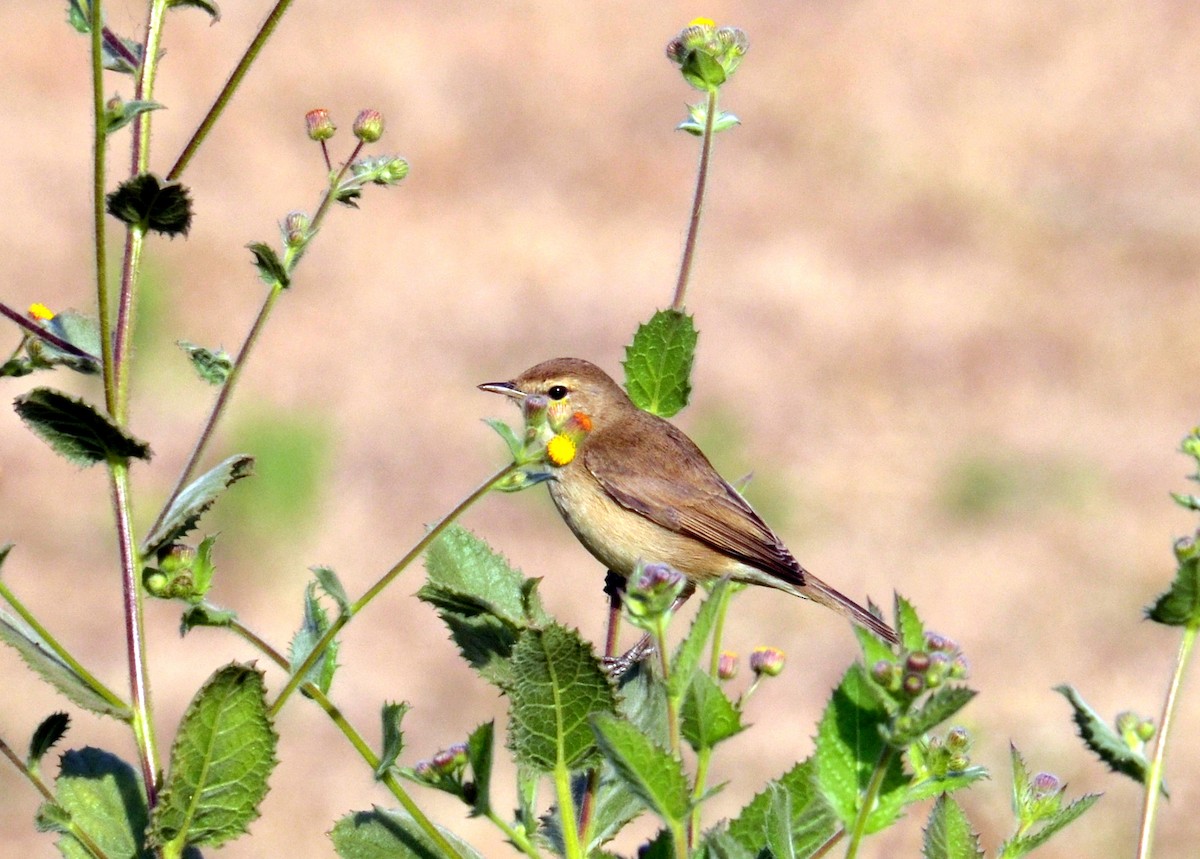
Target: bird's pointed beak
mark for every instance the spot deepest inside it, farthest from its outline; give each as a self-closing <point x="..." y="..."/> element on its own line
<point x="508" y="389"/>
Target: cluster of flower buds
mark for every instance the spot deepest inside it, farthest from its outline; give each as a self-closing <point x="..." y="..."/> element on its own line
<point x="949" y="755"/>
<point x="707" y="54"/>
<point x="921" y="670"/>
<point x="182" y="573"/>
<point x="651" y="594"/>
<point x="551" y="439"/>
<point x="1135" y="730"/>
<point x="445" y="770"/>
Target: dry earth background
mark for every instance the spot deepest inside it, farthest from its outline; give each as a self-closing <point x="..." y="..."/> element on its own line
<point x="947" y="298"/>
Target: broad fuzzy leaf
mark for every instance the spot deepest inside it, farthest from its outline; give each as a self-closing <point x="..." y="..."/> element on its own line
<point x="195" y="500"/>
<point x="271" y="269"/>
<point x="558" y="684"/>
<point x="658" y="363"/>
<point x="812" y="821"/>
<point x="708" y="716"/>
<point x="75" y="430"/>
<point x="385" y="834"/>
<point x="78" y="330"/>
<point x="103" y="796"/>
<point x="1180" y="605"/>
<point x="50" y="731"/>
<point x="151" y="203"/>
<point x="648" y="770"/>
<point x="938" y="707"/>
<point x="1102" y="739"/>
<point x="949" y="834"/>
<point x="1065" y="816"/>
<point x="203" y="614"/>
<point x="333" y="587"/>
<point x="223" y="754"/>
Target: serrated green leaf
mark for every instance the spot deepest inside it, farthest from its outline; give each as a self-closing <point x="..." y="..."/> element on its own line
<point x="943" y="703"/>
<point x="662" y="846"/>
<point x="393" y="737"/>
<point x="151" y="203"/>
<point x="332" y="585"/>
<point x="77" y="17"/>
<point x="558" y="685"/>
<point x="948" y="834"/>
<point x="75" y="430"/>
<point x="194" y="501"/>
<point x="223" y="754"/>
<point x="1031" y="841"/>
<point x="778" y="829"/>
<point x="271" y="269"/>
<point x="849" y="747"/>
<point x="936" y="786"/>
<point x="516" y="447"/>
<point x="480" y="748"/>
<point x="708" y="716"/>
<point x="658" y="363"/>
<point x="909" y="627"/>
<point x="103" y="796"/>
<point x="211" y="366"/>
<point x="463" y="571"/>
<point x="1180" y="605"/>
<point x="812" y="821"/>
<point x="312" y="627"/>
<point x="691" y="650"/>
<point x="719" y="844"/>
<point x="50" y="731"/>
<point x="386" y="834"/>
<point x="1098" y="736"/>
<point x="613" y="806"/>
<point x="118" y="113"/>
<point x="648" y="770"/>
<point x="205" y="5"/>
<point x="203" y="614"/>
<point x="40" y="656"/>
<point x="1186" y="500"/>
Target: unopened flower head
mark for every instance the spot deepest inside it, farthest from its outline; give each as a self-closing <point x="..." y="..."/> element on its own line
<point x="368" y="125"/>
<point x="652" y="591"/>
<point x="318" y="124"/>
<point x="768" y="661"/>
<point x="295" y="229"/>
<point x="723" y="45"/>
<point x="727" y="665"/>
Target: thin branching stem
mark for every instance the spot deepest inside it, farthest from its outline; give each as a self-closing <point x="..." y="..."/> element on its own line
<point x="1154" y="776"/>
<point x="99" y="233"/>
<point x="867" y="804"/>
<point x="689" y="245"/>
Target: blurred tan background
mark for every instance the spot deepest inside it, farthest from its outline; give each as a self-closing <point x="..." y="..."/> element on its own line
<point x="946" y="289"/>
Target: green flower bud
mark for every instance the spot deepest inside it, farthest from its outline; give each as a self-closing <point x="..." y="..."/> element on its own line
<point x="318" y="124"/>
<point x="1145" y="730"/>
<point x="368" y="125"/>
<point x="958" y="740"/>
<point x="885" y="673"/>
<point x="767" y="661"/>
<point x="155" y="582"/>
<point x="1186" y="549"/>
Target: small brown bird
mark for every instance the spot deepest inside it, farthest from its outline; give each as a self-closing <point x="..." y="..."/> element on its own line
<point x="641" y="490"/>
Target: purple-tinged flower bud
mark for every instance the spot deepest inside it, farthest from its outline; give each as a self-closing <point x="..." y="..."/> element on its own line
<point x="1045" y="784"/>
<point x="368" y="125"/>
<point x="936" y="642"/>
<point x="884" y="672"/>
<point x="958" y="740"/>
<point x="917" y="662"/>
<point x="319" y="125"/>
<point x="727" y="665"/>
<point x="767" y="661"/>
<point x="913" y="684"/>
<point x="295" y="229"/>
<point x="424" y="770"/>
<point x="652" y="591"/>
<point x="959" y="669"/>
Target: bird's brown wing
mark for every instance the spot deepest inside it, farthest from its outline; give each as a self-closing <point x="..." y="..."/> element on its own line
<point x="678" y="489"/>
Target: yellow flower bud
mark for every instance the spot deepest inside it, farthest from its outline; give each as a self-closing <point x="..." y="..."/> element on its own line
<point x="560" y="450"/>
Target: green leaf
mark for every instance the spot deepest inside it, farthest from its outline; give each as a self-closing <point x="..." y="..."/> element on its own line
<point x="194" y="501"/>
<point x="224" y="752"/>
<point x="938" y="785"/>
<point x="118" y="113"/>
<point x="206" y="5"/>
<point x="39" y="656"/>
<point x="943" y="703"/>
<point x="1025" y="844"/>
<point x="702" y="71"/>
<point x="151" y="203"/>
<point x="393" y="737"/>
<point x="691" y="650"/>
<point x="557" y="685"/>
<point x="333" y="587"/>
<point x="812" y="821"/>
<point x="384" y="834"/>
<point x="271" y="269"/>
<point x="516" y="447"/>
<point x="614" y="806"/>
<point x="50" y="731"/>
<point x="908" y="625"/>
<point x="1102" y="739"/>
<point x="203" y="614"/>
<point x="212" y="367"/>
<point x="658" y="363"/>
<point x="80" y="331"/>
<point x="103" y="797"/>
<point x="1180" y="605"/>
<point x="949" y="835"/>
<point x="312" y="628"/>
<point x="480" y="746"/>
<point x="648" y="770"/>
<point x="77" y="16"/>
<point x="708" y="716"/>
<point x="719" y="844"/>
<point x="75" y="430"/>
<point x="849" y="747"/>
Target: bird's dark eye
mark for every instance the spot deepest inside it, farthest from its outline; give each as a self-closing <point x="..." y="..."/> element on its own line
<point x="557" y="392"/>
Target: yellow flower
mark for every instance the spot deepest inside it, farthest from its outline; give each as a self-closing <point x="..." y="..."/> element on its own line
<point x="41" y="312"/>
<point x="702" y="22"/>
<point x="560" y="450"/>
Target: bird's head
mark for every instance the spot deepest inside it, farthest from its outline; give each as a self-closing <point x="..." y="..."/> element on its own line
<point x="570" y="385"/>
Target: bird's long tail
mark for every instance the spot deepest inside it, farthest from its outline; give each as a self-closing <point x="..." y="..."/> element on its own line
<point x="819" y="592"/>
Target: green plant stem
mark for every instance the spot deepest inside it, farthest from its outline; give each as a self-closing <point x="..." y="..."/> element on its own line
<point x="400" y="566"/>
<point x="1154" y="776"/>
<point x="61" y="652"/>
<point x="99" y="233"/>
<point x="673" y="701"/>
<point x="566" y="812"/>
<point x="689" y="245"/>
<point x="869" y="797"/>
<point x="516" y="836"/>
<point x="231" y="85"/>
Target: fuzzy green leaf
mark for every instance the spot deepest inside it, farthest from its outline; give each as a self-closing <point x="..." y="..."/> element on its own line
<point x="1029" y="842"/>
<point x="812" y="821"/>
<point x="75" y="430"/>
<point x="480" y="753"/>
<point x="708" y="716"/>
<point x="386" y="834"/>
<point x="702" y="71"/>
<point x="936" y="786"/>
<point x="151" y="203"/>
<point x="943" y="703"/>
<point x="223" y="754"/>
<point x="50" y="731"/>
<point x="271" y="269"/>
<point x="103" y="797"/>
<point x="195" y="500"/>
<point x="312" y="627"/>
<point x="557" y="685"/>
<point x="74" y="328"/>
<point x="648" y="770"/>
<point x="908" y="625"/>
<point x="613" y="807"/>
<point x="849" y="746"/>
<point x="211" y="366"/>
<point x="658" y="363"/>
<point x="333" y="587"/>
<point x="39" y="656"/>
<point x="203" y="614"/>
<point x="1098" y="736"/>
<point x="516" y="447"/>
<point x="393" y="737"/>
<point x="949" y="835"/>
<point x="118" y="113"/>
<point x="1180" y="605"/>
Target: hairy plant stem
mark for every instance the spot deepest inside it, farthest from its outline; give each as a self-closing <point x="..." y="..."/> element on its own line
<point x="1154" y="776"/>
<point x="689" y="245"/>
<point x="231" y="85"/>
<point x="869" y="797"/>
<point x="400" y="566"/>
<point x="99" y="179"/>
<point x="572" y="849"/>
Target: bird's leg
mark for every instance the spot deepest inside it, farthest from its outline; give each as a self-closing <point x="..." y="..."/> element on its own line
<point x="618" y="666"/>
<point x="614" y="589"/>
